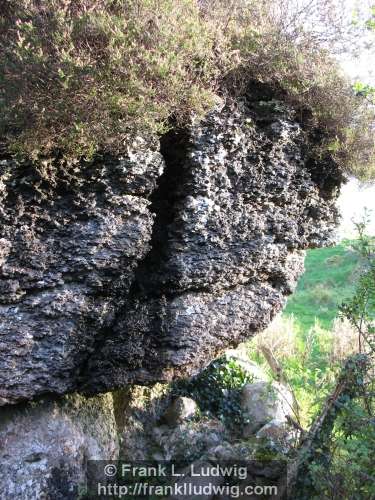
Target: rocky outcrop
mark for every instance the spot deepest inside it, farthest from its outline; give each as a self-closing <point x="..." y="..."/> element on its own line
<point x="70" y="242"/>
<point x="144" y="268"/>
<point x="161" y="426"/>
<point x="238" y="201"/>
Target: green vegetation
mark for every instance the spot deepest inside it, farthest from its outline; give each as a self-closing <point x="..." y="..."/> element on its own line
<point x="82" y="76"/>
<point x="328" y="324"/>
<point x="217" y="390"/>
<point x="329" y="279"/>
<point x="323" y="341"/>
<point x="309" y="340"/>
<point x="343" y="465"/>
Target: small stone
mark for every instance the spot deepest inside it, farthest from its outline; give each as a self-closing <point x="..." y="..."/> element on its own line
<point x="181" y="409"/>
<point x="275" y="429"/>
<point x="279" y="434"/>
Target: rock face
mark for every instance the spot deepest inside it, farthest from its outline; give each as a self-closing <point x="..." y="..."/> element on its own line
<point x="115" y="273"/>
<point x="180" y="409"/>
<point x="68" y="249"/>
<point x="238" y="201"/>
<point x="45" y="446"/>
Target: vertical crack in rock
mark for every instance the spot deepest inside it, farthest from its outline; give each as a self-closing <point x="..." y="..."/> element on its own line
<point x="235" y="208"/>
<point x="93" y="284"/>
<point x="168" y="191"/>
<point x="126" y="345"/>
<point x="164" y="200"/>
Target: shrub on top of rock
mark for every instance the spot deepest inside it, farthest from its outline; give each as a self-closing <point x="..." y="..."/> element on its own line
<point x="81" y="76"/>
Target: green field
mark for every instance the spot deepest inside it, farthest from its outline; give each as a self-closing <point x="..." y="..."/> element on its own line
<point x="304" y="340"/>
<point x="328" y="280"/>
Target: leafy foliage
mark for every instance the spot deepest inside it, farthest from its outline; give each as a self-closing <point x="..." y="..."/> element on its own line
<point x="83" y="76"/>
<point x="322" y="474"/>
<point x="345" y="467"/>
<point x="342" y="464"/>
<point x="360" y="310"/>
<point x="217" y="390"/>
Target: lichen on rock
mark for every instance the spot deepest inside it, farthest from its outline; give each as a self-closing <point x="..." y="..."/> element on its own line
<point x="235" y="208"/>
<point x="69" y="246"/>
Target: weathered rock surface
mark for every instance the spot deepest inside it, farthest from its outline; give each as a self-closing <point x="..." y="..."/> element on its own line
<point x="279" y="435"/>
<point x="204" y="439"/>
<point x="99" y="289"/>
<point x="44" y="446"/>
<point x="237" y="203"/>
<point x="68" y="249"/>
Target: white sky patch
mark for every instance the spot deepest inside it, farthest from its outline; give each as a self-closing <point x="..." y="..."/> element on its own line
<point x="355" y="197"/>
<point x="362" y="68"/>
<point x="354" y="200"/>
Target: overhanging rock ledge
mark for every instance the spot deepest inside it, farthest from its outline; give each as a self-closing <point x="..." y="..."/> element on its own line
<point x="141" y="269"/>
<point x="144" y="268"/>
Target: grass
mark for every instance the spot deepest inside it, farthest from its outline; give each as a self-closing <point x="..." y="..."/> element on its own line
<point x="328" y="280"/>
<point x="308" y="339"/>
<point x="316" y="347"/>
<point x="311" y="343"/>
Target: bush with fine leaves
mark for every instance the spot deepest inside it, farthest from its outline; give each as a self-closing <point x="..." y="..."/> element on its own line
<point x="82" y="76"/>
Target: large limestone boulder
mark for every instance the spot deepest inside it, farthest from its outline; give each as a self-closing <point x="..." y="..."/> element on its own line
<point x="263" y="402"/>
<point x="238" y="202"/>
<point x="44" y="446"/>
<point x="279" y="435"/>
<point x="144" y="268"/>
